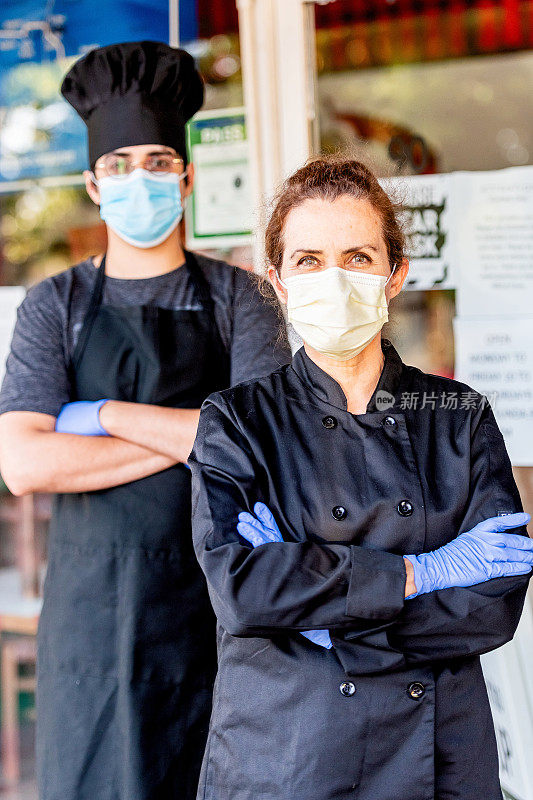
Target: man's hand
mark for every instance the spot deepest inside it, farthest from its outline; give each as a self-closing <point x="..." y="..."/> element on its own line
<point x="81" y="417"/>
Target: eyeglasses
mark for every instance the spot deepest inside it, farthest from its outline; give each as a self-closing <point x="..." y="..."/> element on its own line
<point x="117" y="166"/>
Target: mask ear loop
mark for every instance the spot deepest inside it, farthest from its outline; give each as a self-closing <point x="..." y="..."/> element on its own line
<point x="281" y="281"/>
<point x="185" y="199"/>
<point x="390" y="276"/>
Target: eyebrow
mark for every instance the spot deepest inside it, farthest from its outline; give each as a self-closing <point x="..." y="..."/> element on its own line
<point x="151" y="153"/>
<point x="354" y="249"/>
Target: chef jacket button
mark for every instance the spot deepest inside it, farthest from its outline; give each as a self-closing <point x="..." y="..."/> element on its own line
<point x="405" y="508"/>
<point x="329" y="422"/>
<point x="347" y="688"/>
<point x="338" y="513"/>
<point x="389" y="422"/>
<point x="416" y="690"/>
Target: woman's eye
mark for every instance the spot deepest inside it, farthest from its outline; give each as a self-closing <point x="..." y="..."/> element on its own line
<point x="360" y="258"/>
<point x="307" y="261"/>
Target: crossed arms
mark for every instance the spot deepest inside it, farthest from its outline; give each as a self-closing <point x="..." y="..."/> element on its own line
<point x="143" y="440"/>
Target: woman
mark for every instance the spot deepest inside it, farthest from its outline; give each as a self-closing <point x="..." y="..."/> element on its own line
<point x="357" y="467"/>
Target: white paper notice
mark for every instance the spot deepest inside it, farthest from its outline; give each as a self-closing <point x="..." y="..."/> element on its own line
<point x="495" y="357"/>
<point x="223" y="200"/>
<point x="219" y="213"/>
<point x="493" y="214"/>
<point x="427" y="206"/>
<point x="507" y="673"/>
<point x="10" y="299"/>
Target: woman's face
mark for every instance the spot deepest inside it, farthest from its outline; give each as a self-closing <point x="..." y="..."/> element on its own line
<point x="345" y="233"/>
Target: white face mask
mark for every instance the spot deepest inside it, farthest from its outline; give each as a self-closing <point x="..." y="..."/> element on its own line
<point x="336" y="311"/>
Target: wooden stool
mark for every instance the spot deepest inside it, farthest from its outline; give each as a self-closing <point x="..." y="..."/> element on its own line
<point x="14" y="652"/>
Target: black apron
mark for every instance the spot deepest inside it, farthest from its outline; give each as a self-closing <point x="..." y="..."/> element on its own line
<point x="126" y="641"/>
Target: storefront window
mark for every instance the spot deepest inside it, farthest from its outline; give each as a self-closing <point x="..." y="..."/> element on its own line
<point x="420" y="88"/>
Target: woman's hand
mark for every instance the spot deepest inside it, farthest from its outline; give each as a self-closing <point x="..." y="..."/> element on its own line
<point x="476" y="556"/>
<point x="263" y="530"/>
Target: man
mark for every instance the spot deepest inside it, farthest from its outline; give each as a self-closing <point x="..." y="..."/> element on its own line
<point x="109" y="364"/>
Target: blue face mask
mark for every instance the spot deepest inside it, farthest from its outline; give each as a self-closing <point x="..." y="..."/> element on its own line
<point x="141" y="208"/>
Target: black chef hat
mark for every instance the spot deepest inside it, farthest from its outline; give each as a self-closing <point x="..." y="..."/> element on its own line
<point x="134" y="93"/>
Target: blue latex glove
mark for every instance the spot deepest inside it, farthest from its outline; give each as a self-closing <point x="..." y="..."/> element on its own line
<point x="81" y="417"/>
<point x="263" y="530"/>
<point x="475" y="556"/>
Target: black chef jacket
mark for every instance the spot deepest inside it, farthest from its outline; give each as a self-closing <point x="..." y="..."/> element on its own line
<point x="397" y="709"/>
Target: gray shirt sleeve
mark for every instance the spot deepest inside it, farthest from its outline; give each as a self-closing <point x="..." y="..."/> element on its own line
<point x="36" y="370"/>
<point x="259" y="342"/>
<point x="36" y="377"/>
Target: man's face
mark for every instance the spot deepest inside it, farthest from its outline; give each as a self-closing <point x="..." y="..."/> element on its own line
<point x="139" y="155"/>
